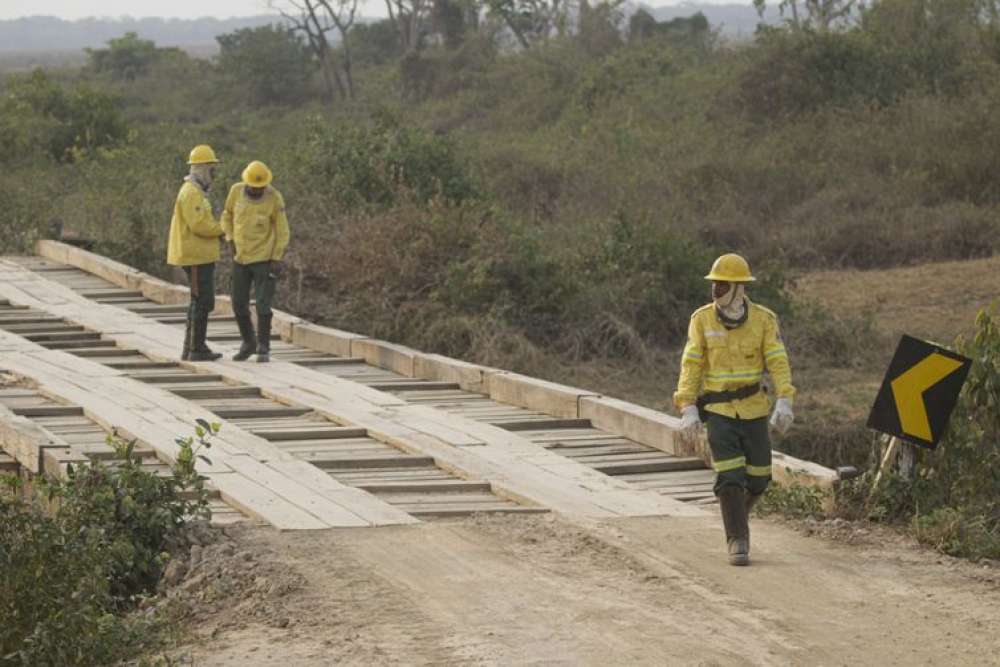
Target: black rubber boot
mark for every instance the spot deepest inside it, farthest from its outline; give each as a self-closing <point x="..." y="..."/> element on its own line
<point x="750" y="500"/>
<point x="186" y="352"/>
<point x="249" y="344"/>
<point x="264" y="337"/>
<point x="732" y="501"/>
<point x="199" y="350"/>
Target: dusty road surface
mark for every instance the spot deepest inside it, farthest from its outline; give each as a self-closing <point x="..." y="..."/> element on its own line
<point x="541" y="590"/>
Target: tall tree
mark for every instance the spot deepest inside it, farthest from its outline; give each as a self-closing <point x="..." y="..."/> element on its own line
<point x="533" y="20"/>
<point x="410" y="18"/>
<point x="316" y="19"/>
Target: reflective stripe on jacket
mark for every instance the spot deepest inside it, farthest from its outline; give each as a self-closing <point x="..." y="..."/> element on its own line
<point x="257" y="227"/>
<point x="720" y="359"/>
<point x="194" y="233"/>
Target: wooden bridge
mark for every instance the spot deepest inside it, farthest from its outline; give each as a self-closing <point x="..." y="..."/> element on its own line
<point x="339" y="430"/>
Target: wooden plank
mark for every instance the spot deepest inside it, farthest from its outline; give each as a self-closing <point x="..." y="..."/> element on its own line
<point x="25" y="442"/>
<point x="76" y="345"/>
<point x="665" y="465"/>
<point x="178" y="377"/>
<point x="62" y="335"/>
<point x="260" y="502"/>
<point x="371" y="462"/>
<point x="55" y="327"/>
<point x="271" y="476"/>
<point x="240" y="413"/>
<point x="324" y="339"/>
<point x="365" y="505"/>
<point x="543" y="424"/>
<point x="428" y="486"/>
<point x="396" y="358"/>
<point x="195" y="393"/>
<point x="328" y="432"/>
<point x="527" y="392"/>
<point x="97" y="353"/>
<point x="423" y="385"/>
<point x="141" y="365"/>
<point x="8" y="465"/>
<point x="471" y="377"/>
<point x="440" y="512"/>
<point x="49" y="411"/>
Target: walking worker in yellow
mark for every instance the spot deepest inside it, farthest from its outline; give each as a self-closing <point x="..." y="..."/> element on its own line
<point x="254" y="220"/>
<point x="194" y="246"/>
<point x="731" y="342"/>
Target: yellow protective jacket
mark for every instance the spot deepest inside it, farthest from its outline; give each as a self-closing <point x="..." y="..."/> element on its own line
<point x="194" y="233"/>
<point x="721" y="359"/>
<point x="258" y="227"/>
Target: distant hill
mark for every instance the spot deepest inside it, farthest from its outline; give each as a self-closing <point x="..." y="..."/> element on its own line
<point x="47" y="33"/>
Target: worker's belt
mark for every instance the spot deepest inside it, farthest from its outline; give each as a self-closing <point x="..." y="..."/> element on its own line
<point x="710" y="397"/>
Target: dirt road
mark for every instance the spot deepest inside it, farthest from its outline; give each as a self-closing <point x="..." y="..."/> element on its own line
<point x="539" y="590"/>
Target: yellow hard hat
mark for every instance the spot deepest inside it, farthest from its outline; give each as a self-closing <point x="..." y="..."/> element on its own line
<point x="257" y="175"/>
<point x="730" y="268"/>
<point x="202" y="154"/>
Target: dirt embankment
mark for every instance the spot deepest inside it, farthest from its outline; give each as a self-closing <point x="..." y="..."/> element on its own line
<point x="540" y="590"/>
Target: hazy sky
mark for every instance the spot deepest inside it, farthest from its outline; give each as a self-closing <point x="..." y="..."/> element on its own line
<point x="75" y="9"/>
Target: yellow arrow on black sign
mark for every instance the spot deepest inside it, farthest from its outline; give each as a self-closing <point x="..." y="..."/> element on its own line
<point x="919" y="392"/>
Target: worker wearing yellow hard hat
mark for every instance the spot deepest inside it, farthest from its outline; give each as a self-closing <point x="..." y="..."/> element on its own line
<point x="194" y="246"/>
<point x="254" y="220"/>
<point x="731" y="343"/>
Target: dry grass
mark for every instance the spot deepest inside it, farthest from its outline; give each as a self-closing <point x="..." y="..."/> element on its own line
<point x="935" y="301"/>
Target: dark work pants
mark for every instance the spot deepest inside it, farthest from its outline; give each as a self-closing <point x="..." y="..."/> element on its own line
<point x="257" y="275"/>
<point x="741" y="452"/>
<point x="201" y="278"/>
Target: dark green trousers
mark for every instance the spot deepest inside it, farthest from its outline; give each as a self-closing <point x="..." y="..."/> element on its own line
<point x="201" y="278"/>
<point x="741" y="452"/>
<point x="258" y="276"/>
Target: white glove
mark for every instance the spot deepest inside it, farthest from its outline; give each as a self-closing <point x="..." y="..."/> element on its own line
<point x="782" y="417"/>
<point x="690" y="423"/>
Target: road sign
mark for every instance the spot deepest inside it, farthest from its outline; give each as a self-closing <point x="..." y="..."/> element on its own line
<point x="919" y="392"/>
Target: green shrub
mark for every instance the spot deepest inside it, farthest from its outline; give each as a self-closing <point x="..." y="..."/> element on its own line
<point x="643" y="275"/>
<point x="266" y="65"/>
<point x="39" y="115"/>
<point x="126" y="57"/>
<point x="795" y="501"/>
<point x="958" y="533"/>
<point x="794" y="72"/>
<point x="71" y="570"/>
<point x="367" y="167"/>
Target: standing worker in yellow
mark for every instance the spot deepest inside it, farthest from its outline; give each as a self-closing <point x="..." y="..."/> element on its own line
<point x="194" y="246"/>
<point x="254" y="220"/>
<point x="731" y="342"/>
